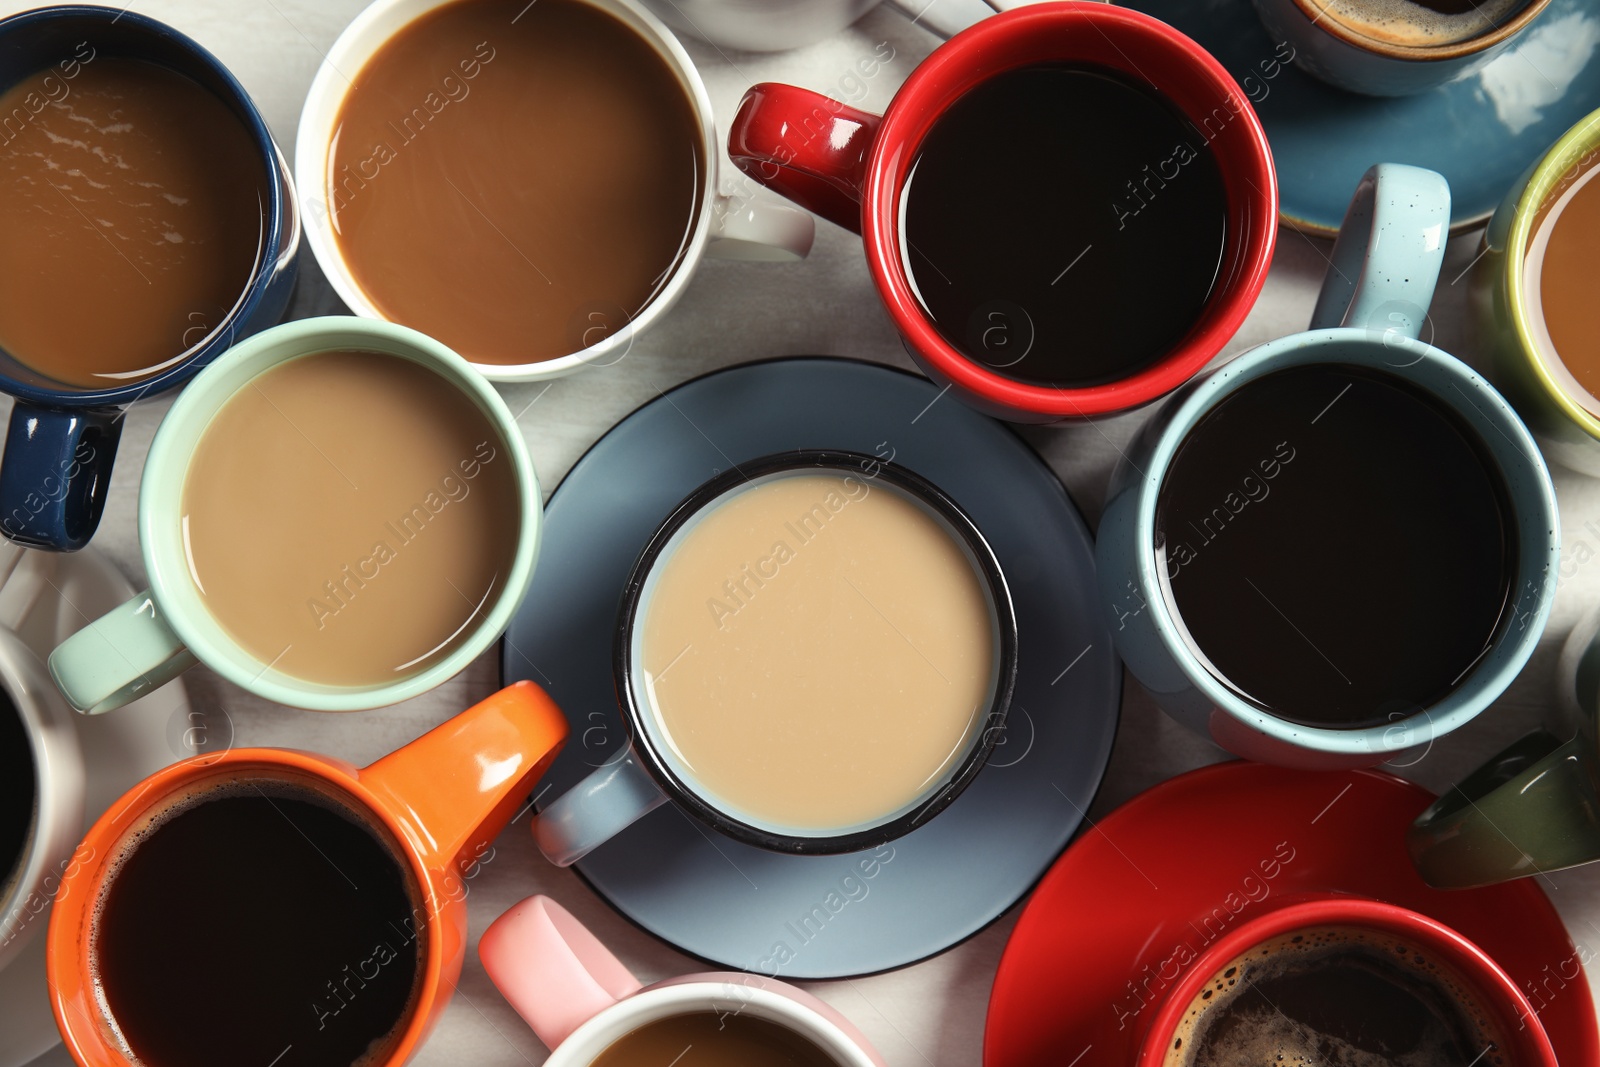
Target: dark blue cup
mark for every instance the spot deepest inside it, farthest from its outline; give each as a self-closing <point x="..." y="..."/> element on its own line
<point x="62" y="440"/>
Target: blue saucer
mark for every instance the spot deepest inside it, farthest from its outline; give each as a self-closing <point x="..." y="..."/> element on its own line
<point x="825" y="916"/>
<point x="1481" y="132"/>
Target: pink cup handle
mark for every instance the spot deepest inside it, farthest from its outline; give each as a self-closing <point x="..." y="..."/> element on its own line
<point x="551" y="968"/>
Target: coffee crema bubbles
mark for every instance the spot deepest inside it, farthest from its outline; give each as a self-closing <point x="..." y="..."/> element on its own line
<point x="1421" y="23"/>
<point x="1337" y="996"/>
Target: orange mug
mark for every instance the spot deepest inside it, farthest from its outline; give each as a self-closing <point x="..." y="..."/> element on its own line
<point x="438" y="801"/>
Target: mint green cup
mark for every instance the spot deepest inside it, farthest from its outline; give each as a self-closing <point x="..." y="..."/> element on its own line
<point x="163" y="631"/>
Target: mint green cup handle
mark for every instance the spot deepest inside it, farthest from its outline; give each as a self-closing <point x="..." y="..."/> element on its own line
<point x="1531" y="809"/>
<point x="1387" y="258"/>
<point x="118" y="658"/>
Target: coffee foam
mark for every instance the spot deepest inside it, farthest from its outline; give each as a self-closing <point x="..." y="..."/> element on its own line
<point x="1280" y="1041"/>
<point x="1416" y="24"/>
<point x="244" y="785"/>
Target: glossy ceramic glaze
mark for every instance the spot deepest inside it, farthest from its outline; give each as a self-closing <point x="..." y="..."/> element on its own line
<point x="579" y="998"/>
<point x="624" y="790"/>
<point x="161" y="633"/>
<point x="1366" y="316"/>
<point x="1194" y="858"/>
<point x="1568" y="433"/>
<point x="1344" y="58"/>
<point x="1480" y="131"/>
<point x="906" y="900"/>
<point x="62" y="441"/>
<point x="850" y="167"/>
<point x="1535" y="807"/>
<point x="432" y="796"/>
<point x="731" y="227"/>
<point x="1514" y="1016"/>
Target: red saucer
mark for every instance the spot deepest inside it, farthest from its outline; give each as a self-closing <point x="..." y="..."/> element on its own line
<point x="1195" y="856"/>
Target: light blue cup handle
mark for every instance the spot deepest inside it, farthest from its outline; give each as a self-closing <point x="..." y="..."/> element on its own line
<point x="596" y="810"/>
<point x="1386" y="261"/>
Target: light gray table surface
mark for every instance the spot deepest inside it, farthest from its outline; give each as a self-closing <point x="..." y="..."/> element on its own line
<point x="931" y="1013"/>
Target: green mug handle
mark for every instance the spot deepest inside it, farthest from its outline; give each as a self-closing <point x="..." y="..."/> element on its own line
<point x="119" y="657"/>
<point x="1532" y="809"/>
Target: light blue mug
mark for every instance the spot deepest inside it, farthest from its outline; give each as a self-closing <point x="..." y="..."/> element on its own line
<point x="1373" y="302"/>
<point x="164" y="631"/>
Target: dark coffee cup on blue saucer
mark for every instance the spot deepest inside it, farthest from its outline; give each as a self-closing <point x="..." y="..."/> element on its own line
<point x="147" y="222"/>
<point x="814" y="654"/>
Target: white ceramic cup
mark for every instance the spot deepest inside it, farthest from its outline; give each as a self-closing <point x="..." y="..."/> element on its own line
<point x="580" y="999"/>
<point x="28" y="889"/>
<point x="760" y="25"/>
<point x="740" y="226"/>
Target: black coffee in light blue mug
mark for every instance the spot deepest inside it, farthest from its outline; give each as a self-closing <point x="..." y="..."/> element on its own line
<point x="147" y="222"/>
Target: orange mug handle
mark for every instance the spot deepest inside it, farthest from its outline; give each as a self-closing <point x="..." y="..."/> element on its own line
<point x="460" y="783"/>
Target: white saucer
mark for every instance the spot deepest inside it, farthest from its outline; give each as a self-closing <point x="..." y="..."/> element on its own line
<point x="119" y="750"/>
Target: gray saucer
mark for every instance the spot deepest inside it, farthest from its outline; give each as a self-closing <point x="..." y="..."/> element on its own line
<point x="828" y="916"/>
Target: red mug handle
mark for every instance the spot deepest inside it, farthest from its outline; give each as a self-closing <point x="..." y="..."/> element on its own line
<point x="808" y="147"/>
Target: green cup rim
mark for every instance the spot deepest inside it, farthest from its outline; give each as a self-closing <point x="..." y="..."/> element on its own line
<point x="1580" y="141"/>
<point x="167" y="465"/>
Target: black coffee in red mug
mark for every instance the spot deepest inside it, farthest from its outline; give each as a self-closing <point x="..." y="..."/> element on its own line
<point x="1034" y="183"/>
<point x="1114" y="184"/>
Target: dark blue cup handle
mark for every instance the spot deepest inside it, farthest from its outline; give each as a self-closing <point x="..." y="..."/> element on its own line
<point x="55" y="473"/>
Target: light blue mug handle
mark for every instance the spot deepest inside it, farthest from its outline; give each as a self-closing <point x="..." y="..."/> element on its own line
<point x="1386" y="261"/>
<point x="596" y="810"/>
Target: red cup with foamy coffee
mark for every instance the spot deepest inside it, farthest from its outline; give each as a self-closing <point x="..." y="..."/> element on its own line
<point x="1340" y="979"/>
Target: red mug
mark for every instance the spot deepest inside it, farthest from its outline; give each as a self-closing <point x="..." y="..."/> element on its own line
<point x="1487" y="995"/>
<point x="850" y="167"/>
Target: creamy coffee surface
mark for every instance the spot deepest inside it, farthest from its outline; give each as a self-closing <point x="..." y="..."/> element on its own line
<point x="1563" y="314"/>
<point x="132" y="203"/>
<point x="518" y="180"/>
<point x="349" y="517"/>
<point x="1420" y="23"/>
<point x="818" y="651"/>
